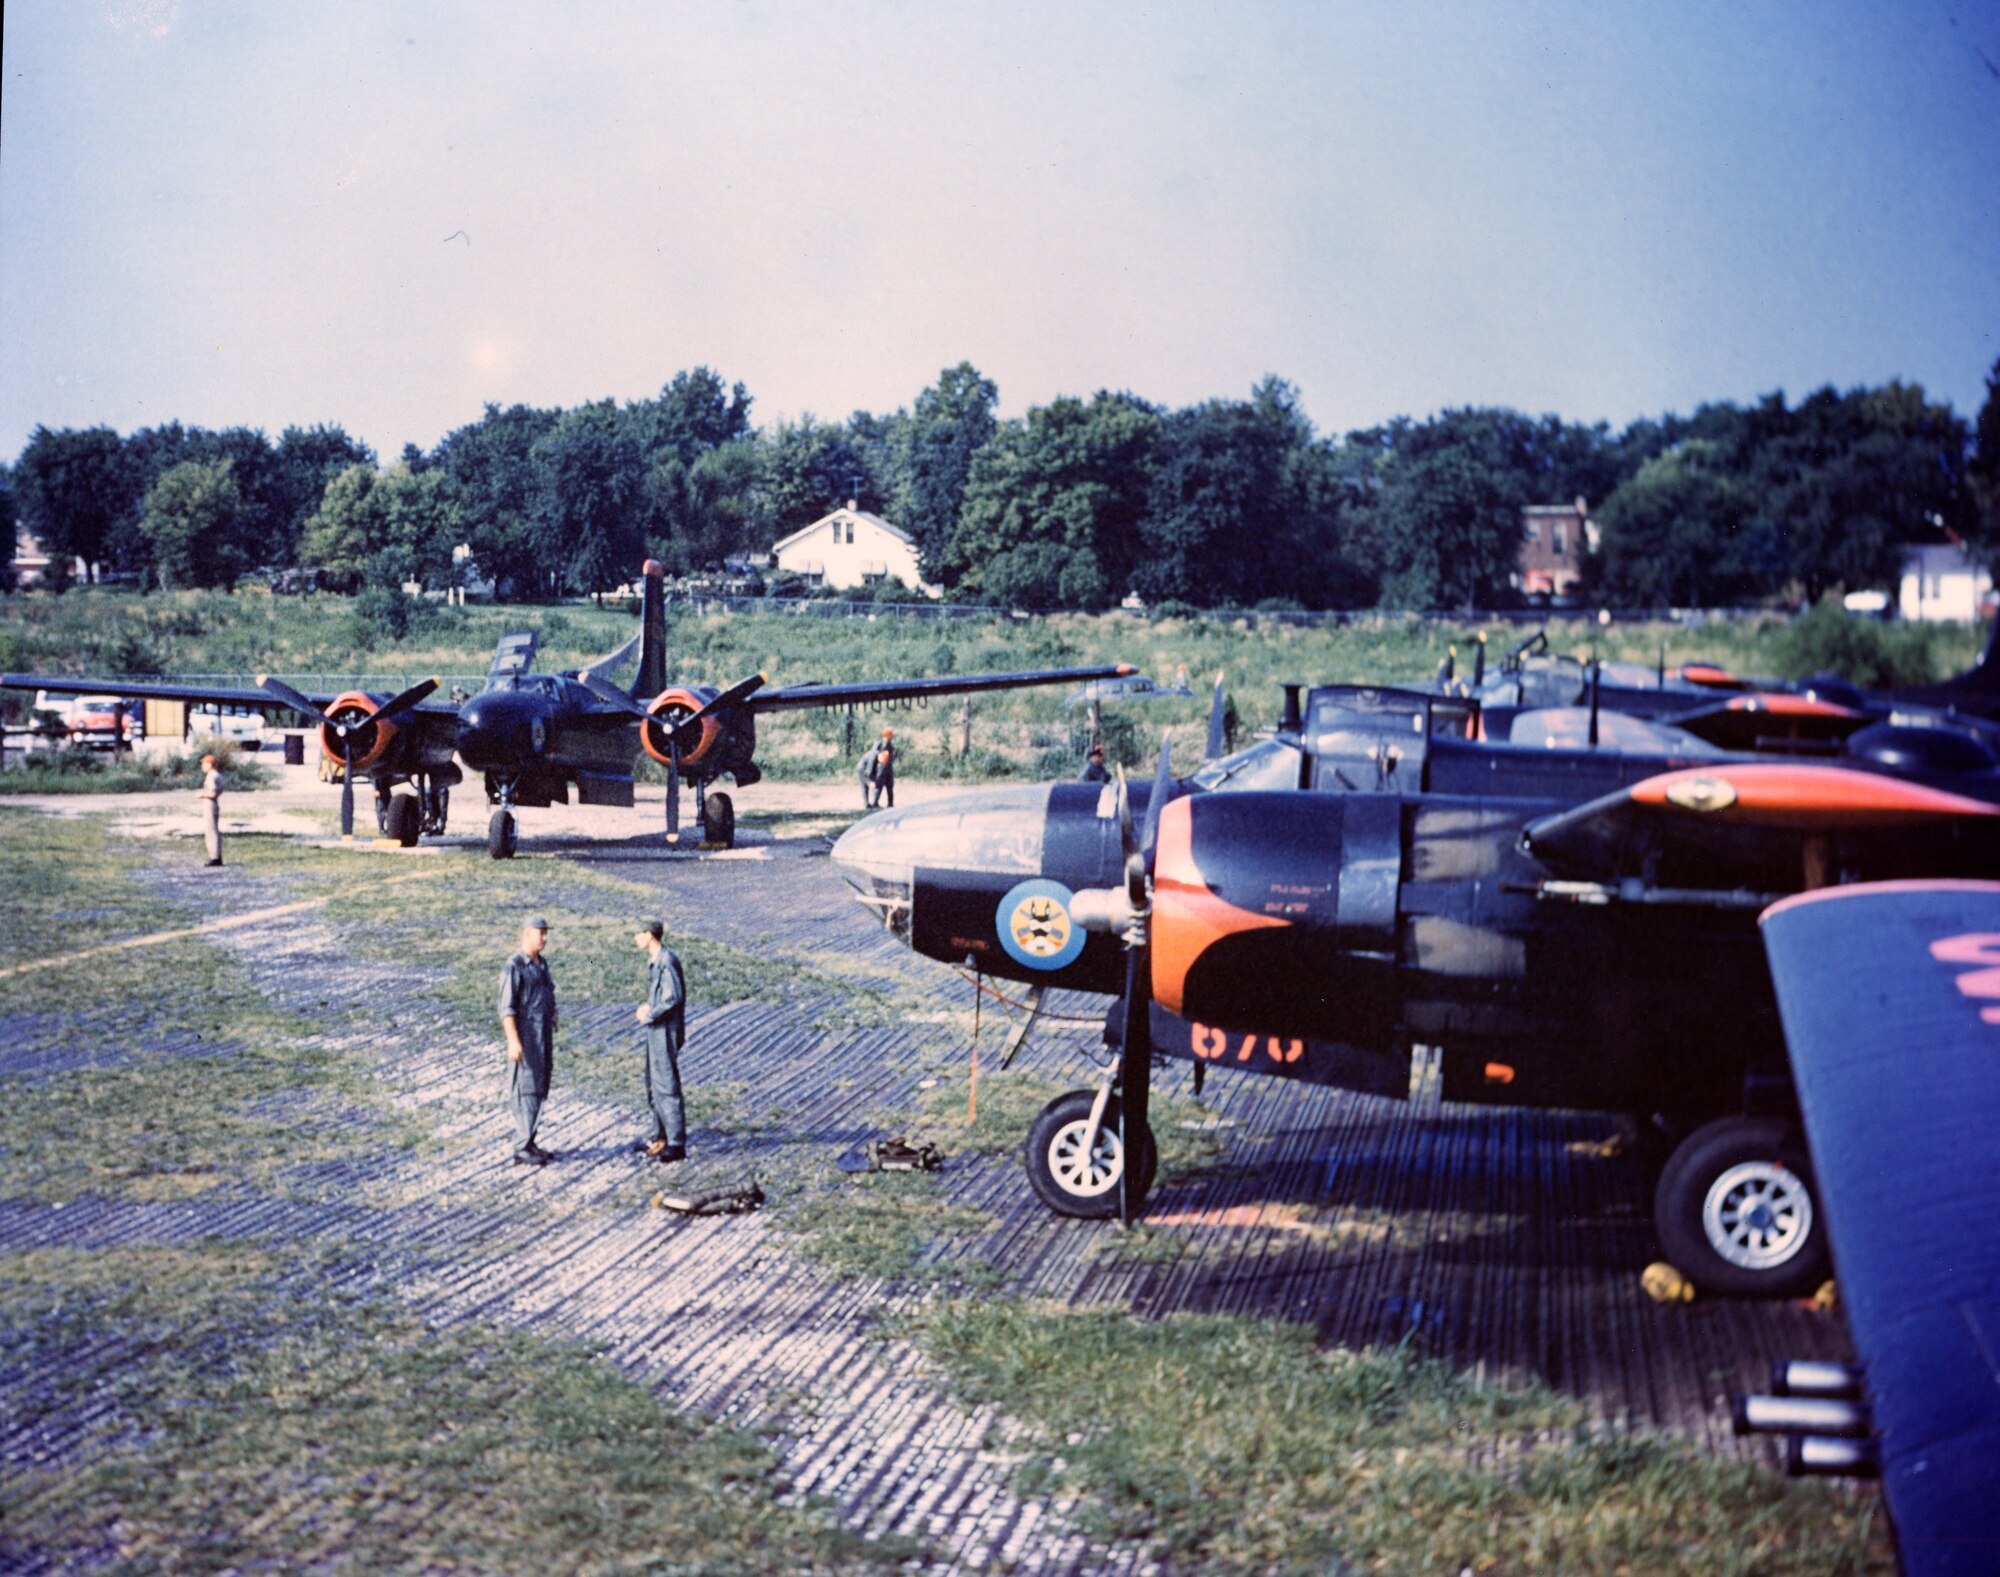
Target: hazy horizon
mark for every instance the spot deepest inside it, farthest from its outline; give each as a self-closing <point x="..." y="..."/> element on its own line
<point x="386" y="217"/>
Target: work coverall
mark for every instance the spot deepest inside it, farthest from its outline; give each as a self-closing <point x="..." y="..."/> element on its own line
<point x="528" y="996"/>
<point x="211" y="795"/>
<point x="884" y="774"/>
<point x="666" y="1028"/>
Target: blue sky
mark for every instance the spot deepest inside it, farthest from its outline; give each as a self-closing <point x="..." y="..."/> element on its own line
<point x="237" y="212"/>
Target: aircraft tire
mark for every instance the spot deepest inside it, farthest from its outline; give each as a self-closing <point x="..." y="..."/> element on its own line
<point x="1059" y="1174"/>
<point x="719" y="811"/>
<point x="1738" y="1211"/>
<point x="500" y="835"/>
<point x="405" y="820"/>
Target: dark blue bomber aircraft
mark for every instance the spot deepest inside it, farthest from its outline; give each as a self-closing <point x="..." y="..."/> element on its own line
<point x="1559" y="904"/>
<point x="534" y="736"/>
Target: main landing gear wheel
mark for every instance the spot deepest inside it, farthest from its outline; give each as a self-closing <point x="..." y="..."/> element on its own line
<point x="718" y="814"/>
<point x="1070" y="1181"/>
<point x="500" y="835"/>
<point x="1738" y="1211"/>
<point x="405" y="820"/>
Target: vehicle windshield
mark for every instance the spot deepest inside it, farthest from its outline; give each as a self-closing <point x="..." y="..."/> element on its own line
<point x="1268" y="764"/>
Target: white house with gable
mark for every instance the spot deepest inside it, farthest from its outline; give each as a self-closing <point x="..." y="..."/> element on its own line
<point x="850" y="548"/>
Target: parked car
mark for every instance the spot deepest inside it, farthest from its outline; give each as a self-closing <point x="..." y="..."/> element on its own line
<point x="103" y="722"/>
<point x="241" y="726"/>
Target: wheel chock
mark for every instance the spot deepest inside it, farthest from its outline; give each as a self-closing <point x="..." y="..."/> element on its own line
<point x="1663" y="1283"/>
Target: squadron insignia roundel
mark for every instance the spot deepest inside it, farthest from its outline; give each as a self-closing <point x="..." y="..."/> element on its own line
<point x="1702" y="794"/>
<point x="538" y="734"/>
<point x="1035" y="927"/>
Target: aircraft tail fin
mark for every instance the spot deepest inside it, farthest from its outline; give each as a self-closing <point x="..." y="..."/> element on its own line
<point x="652" y="678"/>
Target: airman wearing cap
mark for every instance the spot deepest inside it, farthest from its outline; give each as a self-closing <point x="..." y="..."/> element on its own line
<point x="528" y="1020"/>
<point x="1093" y="768"/>
<point x="664" y="1017"/>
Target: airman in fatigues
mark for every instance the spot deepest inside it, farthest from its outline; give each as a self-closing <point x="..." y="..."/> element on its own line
<point x="882" y="771"/>
<point x="664" y="1015"/>
<point x="211" y="796"/>
<point x="528" y="1019"/>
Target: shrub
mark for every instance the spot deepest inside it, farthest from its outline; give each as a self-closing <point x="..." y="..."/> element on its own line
<point x="1867" y="652"/>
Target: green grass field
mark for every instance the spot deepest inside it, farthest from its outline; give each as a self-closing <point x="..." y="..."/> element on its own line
<point x="1025" y="734"/>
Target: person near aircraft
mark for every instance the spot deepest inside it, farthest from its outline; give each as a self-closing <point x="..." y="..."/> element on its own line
<point x="211" y="798"/>
<point x="664" y="1016"/>
<point x="866" y="772"/>
<point x="882" y="772"/>
<point x="1093" y="767"/>
<point x="528" y="1019"/>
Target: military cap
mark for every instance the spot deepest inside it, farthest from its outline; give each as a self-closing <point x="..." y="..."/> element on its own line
<point x="535" y="922"/>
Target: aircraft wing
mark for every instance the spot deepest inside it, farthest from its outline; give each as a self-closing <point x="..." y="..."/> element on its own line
<point x="791" y="697"/>
<point x="1890" y="996"/>
<point x="1766" y="829"/>
<point x="166" y="690"/>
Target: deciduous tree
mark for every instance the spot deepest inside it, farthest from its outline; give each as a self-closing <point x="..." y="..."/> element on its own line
<point x="194" y="518"/>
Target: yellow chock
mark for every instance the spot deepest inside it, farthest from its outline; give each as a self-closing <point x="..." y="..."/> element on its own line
<point x="1665" y="1284"/>
<point x="1827" y="1297"/>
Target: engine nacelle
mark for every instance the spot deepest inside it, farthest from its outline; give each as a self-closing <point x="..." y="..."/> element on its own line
<point x="673" y="706"/>
<point x="1270" y="907"/>
<point x="371" y="743"/>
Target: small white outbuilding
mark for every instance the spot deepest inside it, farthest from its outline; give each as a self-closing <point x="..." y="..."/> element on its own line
<point x="1941" y="581"/>
<point x="851" y="548"/>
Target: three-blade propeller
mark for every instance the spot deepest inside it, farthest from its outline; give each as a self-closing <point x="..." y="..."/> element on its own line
<point x="670" y="733"/>
<point x="1136" y="1030"/>
<point x="346" y="727"/>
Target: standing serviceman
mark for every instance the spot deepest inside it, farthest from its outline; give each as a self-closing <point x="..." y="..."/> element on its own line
<point x="664" y="1013"/>
<point x="1093" y="769"/>
<point x="211" y="793"/>
<point x="885" y="769"/>
<point x="528" y="1018"/>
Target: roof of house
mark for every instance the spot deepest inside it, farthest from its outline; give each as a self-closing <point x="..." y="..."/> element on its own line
<point x="861" y="515"/>
<point x="1936" y="558"/>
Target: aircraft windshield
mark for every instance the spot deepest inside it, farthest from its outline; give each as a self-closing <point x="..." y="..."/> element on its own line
<point x="1368" y="741"/>
<point x="1268" y="764"/>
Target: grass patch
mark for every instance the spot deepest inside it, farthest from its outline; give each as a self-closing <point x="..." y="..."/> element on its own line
<point x="221" y="1107"/>
<point x="242" y="1417"/>
<point x="1236" y="1446"/>
<point x="888" y="1226"/>
<point x="464" y="924"/>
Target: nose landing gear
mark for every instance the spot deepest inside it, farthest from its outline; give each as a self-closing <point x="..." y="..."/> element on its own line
<point x="500" y="825"/>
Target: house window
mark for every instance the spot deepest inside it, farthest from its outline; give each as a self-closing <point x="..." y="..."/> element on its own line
<point x="1556" y="539"/>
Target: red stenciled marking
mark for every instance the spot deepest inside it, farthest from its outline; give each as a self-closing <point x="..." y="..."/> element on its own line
<point x="1980" y="948"/>
<point x="1212" y="1045"/>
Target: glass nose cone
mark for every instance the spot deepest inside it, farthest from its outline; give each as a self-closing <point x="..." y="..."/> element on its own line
<point x="997" y="831"/>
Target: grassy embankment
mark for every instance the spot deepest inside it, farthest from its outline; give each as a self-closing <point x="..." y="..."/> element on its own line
<point x="1024" y="734"/>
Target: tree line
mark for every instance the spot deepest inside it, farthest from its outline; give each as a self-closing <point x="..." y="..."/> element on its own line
<point x="1072" y="505"/>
